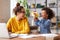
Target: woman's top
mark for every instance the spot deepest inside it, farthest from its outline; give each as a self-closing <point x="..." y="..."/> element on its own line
<point x="20" y="27"/>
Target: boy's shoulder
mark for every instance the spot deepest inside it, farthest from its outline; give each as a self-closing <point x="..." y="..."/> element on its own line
<point x="12" y="18"/>
<point x="40" y="18"/>
<point x="49" y="20"/>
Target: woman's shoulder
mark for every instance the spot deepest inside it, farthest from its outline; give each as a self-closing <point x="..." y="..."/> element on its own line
<point x="12" y="18"/>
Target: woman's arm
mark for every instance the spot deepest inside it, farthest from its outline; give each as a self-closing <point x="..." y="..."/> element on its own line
<point x="26" y="28"/>
<point x="9" y="24"/>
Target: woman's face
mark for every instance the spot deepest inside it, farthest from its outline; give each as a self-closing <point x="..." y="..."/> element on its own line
<point x="44" y="14"/>
<point x="21" y="14"/>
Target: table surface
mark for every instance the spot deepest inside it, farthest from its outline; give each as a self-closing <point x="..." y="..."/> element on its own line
<point x="36" y="38"/>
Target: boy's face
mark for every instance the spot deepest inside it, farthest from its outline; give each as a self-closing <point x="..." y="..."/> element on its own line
<point x="44" y="14"/>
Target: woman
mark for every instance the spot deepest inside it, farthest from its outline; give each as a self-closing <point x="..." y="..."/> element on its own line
<point x="44" y="22"/>
<point x="19" y="23"/>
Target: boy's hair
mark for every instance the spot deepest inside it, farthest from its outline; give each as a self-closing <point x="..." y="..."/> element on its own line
<point x="49" y="12"/>
<point x="57" y="38"/>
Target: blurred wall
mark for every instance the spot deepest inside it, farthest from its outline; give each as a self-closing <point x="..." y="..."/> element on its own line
<point x="12" y="5"/>
<point x="4" y="10"/>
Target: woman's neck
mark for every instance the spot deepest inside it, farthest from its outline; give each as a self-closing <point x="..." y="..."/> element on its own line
<point x="17" y="18"/>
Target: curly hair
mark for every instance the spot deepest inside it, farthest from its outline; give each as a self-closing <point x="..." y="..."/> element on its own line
<point x="49" y="12"/>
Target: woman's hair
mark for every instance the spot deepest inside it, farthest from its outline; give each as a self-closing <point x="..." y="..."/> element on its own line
<point x="18" y="4"/>
<point x="49" y="12"/>
<point x="18" y="8"/>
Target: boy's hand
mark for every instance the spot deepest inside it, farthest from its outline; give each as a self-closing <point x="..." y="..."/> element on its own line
<point x="35" y="19"/>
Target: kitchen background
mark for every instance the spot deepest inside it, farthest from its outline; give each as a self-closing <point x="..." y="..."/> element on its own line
<point x="31" y="6"/>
